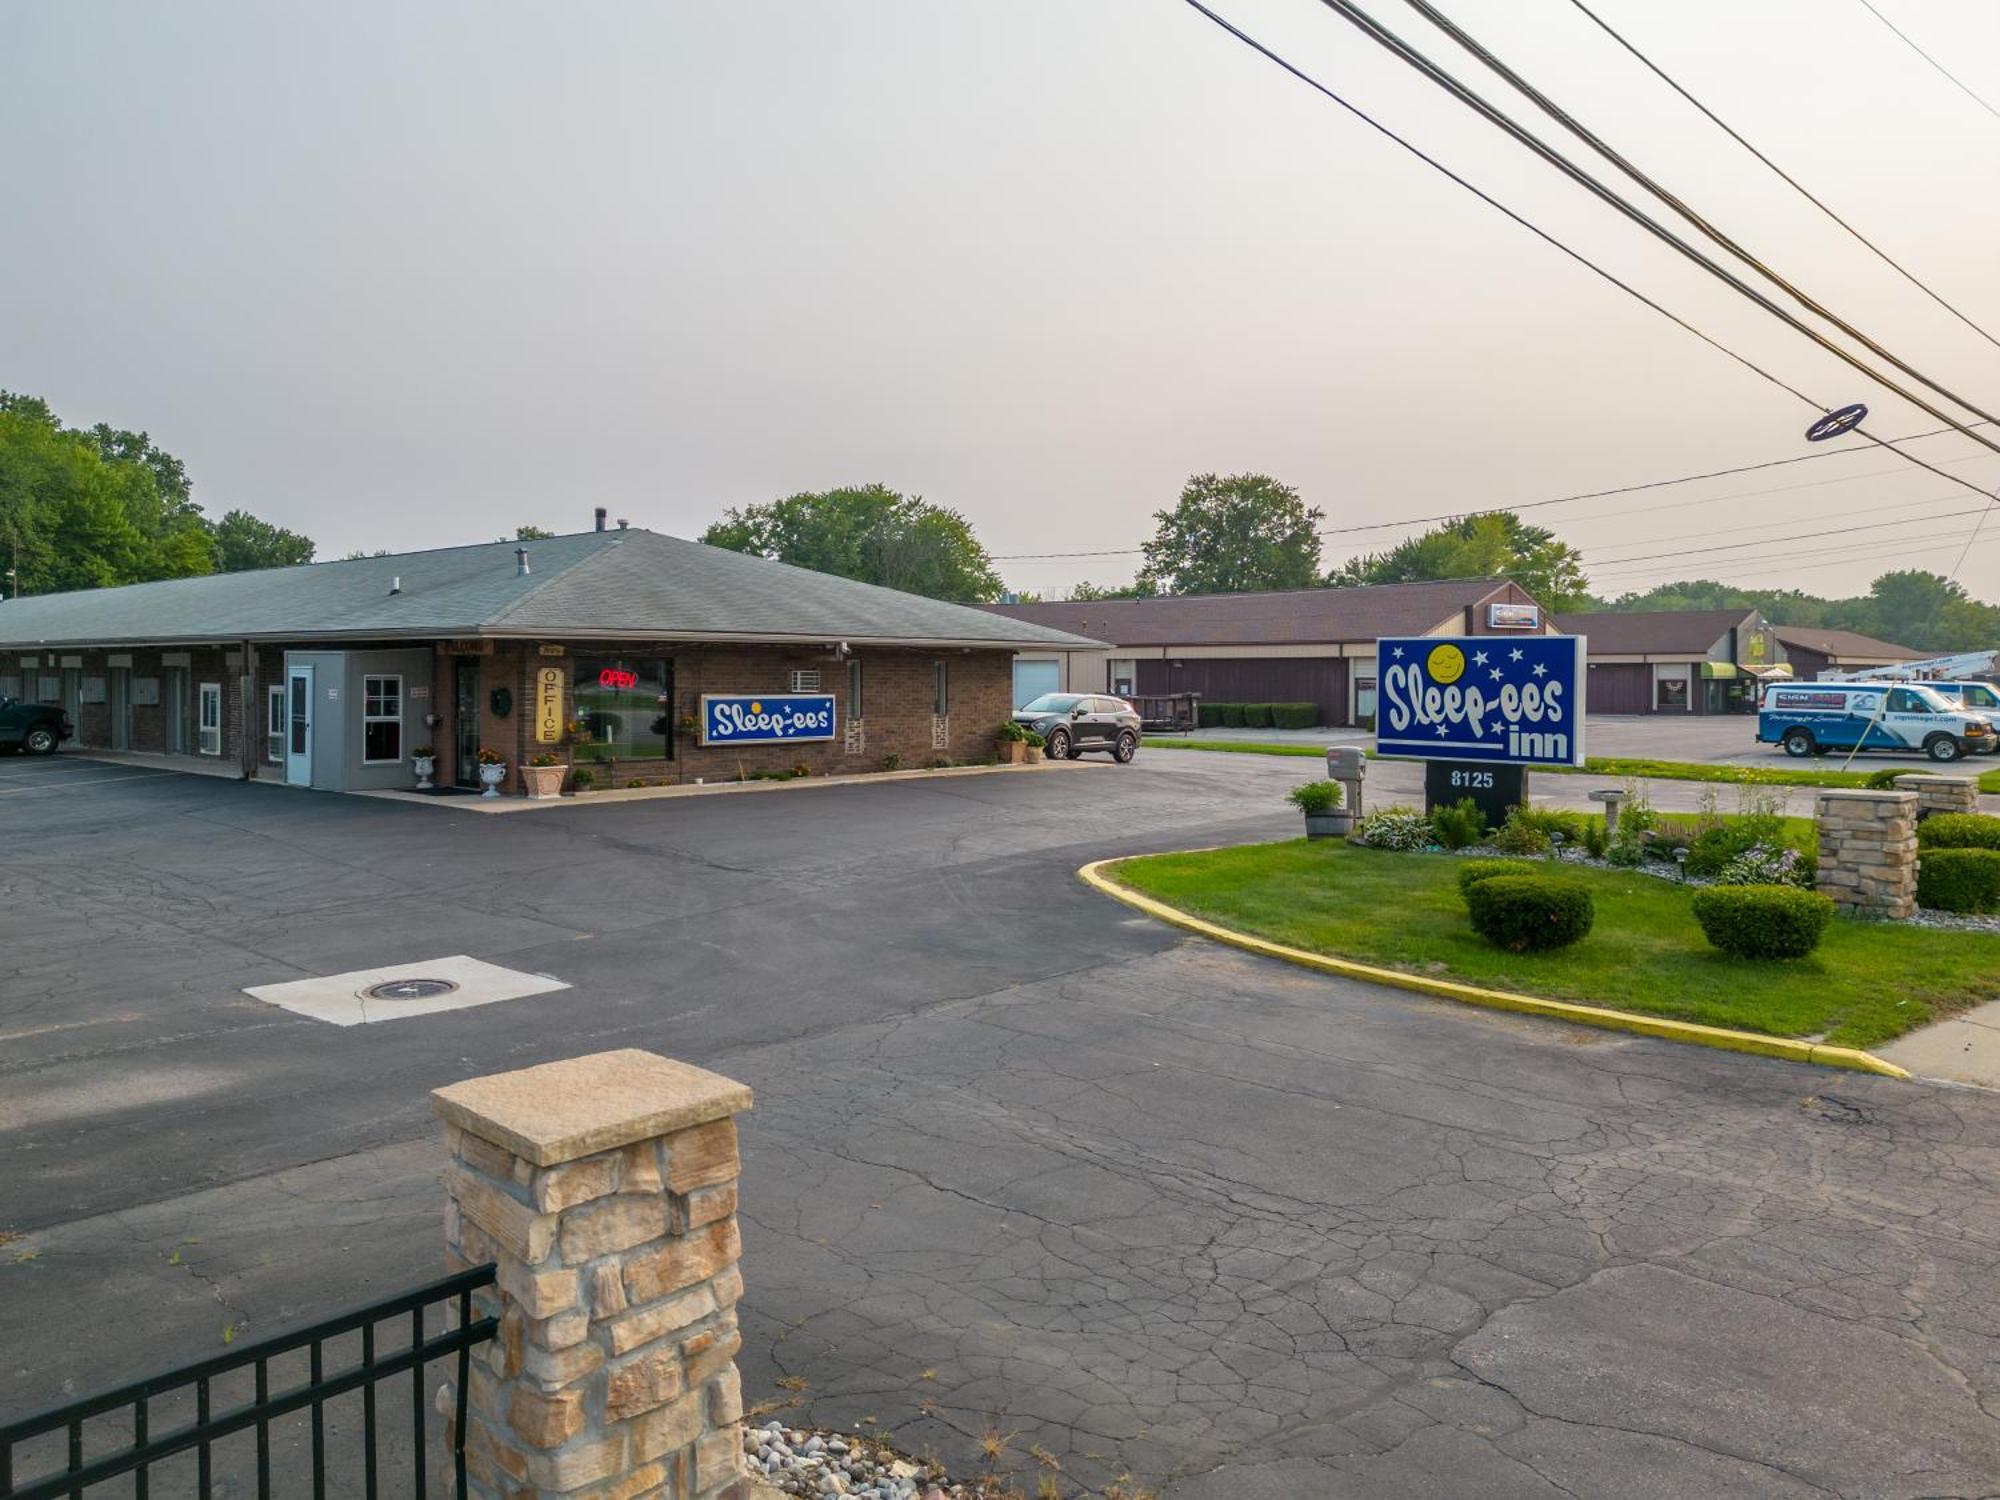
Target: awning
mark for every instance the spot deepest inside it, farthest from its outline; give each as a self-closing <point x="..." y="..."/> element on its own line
<point x="1718" y="669"/>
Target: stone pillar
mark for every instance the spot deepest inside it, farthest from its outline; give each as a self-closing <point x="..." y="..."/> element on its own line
<point x="1868" y="851"/>
<point x="1941" y="794"/>
<point x="604" y="1189"/>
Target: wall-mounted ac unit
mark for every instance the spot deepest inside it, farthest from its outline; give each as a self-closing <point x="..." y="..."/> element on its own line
<point x="806" y="680"/>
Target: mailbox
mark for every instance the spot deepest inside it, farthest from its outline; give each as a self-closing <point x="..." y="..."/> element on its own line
<point x="1344" y="764"/>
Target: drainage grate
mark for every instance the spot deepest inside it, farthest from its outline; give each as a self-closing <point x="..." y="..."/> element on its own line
<point x="408" y="989"/>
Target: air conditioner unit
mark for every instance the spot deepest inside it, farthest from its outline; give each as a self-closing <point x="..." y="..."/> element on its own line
<point x="806" y="680"/>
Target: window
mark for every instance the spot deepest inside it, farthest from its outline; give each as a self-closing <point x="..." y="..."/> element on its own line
<point x="1670" y="692"/>
<point x="1903" y="701"/>
<point x="940" y="688"/>
<point x="626" y="705"/>
<point x="381" y="720"/>
<point x="274" y="724"/>
<point x="1122" y="676"/>
<point x="208" y="720"/>
<point x="854" y="692"/>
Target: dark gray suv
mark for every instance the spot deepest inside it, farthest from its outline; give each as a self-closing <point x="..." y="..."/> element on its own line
<point x="1072" y="723"/>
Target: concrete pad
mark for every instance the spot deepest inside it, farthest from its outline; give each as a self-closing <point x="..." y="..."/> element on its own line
<point x="1964" y="1049"/>
<point x="340" y="999"/>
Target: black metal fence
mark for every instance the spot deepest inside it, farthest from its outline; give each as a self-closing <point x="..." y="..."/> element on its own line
<point x="172" y="1422"/>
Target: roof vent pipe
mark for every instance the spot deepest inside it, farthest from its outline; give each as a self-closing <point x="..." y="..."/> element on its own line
<point x="623" y="523"/>
<point x="520" y="562"/>
<point x="601" y="514"/>
<point x="396" y="584"/>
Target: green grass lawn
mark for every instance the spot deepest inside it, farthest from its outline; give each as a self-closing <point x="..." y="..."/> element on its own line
<point x="1867" y="982"/>
<point x="1619" y="767"/>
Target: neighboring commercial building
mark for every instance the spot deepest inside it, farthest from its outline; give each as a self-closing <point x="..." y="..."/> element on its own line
<point x="330" y="675"/>
<point x="1295" y="646"/>
<point x="1707" y="661"/>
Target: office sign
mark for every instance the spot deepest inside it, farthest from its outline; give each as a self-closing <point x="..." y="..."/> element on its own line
<point x="760" y="718"/>
<point x="1513" y="617"/>
<point x="1511" y="700"/>
<point x="548" y="705"/>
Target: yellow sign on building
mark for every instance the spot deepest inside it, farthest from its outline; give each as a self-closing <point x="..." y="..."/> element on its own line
<point x="549" y="705"/>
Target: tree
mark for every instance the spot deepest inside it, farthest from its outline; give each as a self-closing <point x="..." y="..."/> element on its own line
<point x="870" y="533"/>
<point x="1495" y="544"/>
<point x="242" y="542"/>
<point x="1142" y="588"/>
<point x="1233" y="534"/>
<point x="530" y="534"/>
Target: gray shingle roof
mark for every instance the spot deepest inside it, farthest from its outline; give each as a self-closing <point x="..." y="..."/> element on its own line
<point x="635" y="584"/>
<point x="1641" y="632"/>
<point x="1843" y="643"/>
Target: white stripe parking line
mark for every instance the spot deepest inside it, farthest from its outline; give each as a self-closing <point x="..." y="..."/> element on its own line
<point x="63" y="786"/>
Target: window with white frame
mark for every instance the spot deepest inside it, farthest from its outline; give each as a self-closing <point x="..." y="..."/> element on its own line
<point x="208" y="719"/>
<point x="381" y="720"/>
<point x="854" y="692"/>
<point x="274" y="724"/>
<point x="1122" y="676"/>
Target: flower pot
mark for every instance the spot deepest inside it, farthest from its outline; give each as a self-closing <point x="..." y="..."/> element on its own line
<point x="490" y="777"/>
<point x="1012" y="752"/>
<point x="1328" y="825"/>
<point x="425" y="766"/>
<point x="544" y="782"/>
<point x="1033" y="755"/>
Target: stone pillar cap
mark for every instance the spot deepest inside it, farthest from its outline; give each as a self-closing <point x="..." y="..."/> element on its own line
<point x="1862" y="794"/>
<point x="560" y="1111"/>
<point x="1608" y="794"/>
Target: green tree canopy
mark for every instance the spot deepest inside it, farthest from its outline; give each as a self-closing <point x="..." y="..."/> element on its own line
<point x="868" y="532"/>
<point x="243" y="542"/>
<point x="1910" y="607"/>
<point x="91" y="508"/>
<point x="1233" y="534"/>
<point x="1143" y="588"/>
<point x="1492" y="545"/>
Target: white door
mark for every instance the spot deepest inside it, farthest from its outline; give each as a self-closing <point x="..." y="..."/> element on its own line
<point x="298" y="726"/>
<point x="208" y="719"/>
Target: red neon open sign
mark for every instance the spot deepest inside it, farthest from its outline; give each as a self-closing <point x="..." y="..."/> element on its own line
<point x="617" y="677"/>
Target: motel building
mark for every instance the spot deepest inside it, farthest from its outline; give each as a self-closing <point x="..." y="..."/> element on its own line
<point x="641" y="656"/>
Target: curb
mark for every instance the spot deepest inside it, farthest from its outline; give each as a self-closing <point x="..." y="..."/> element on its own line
<point x="1691" y="1032"/>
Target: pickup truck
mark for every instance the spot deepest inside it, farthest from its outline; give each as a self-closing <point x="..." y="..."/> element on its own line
<point x="36" y="728"/>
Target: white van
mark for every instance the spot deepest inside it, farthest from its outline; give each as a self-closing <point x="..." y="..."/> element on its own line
<point x="1809" y="718"/>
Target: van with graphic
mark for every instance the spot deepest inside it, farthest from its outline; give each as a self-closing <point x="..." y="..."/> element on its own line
<point x="1811" y="718"/>
<point x="1981" y="698"/>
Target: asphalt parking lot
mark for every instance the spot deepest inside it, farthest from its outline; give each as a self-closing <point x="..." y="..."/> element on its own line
<point x="1021" y="1160"/>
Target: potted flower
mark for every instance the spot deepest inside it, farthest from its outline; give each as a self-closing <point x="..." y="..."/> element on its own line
<point x="423" y="760"/>
<point x="544" y="776"/>
<point x="1320" y="801"/>
<point x="1011" y="741"/>
<point x="1032" y="746"/>
<point x="582" y="780"/>
<point x="492" y="771"/>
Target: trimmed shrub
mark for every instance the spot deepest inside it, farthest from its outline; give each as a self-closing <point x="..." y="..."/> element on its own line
<point x="1294" y="715"/>
<point x="1207" y="715"/>
<point x="1965" y="880"/>
<point x="1959" y="831"/>
<point x="1519" y="835"/>
<point x="1885" y="781"/>
<point x="1256" y="716"/>
<point x="1461" y="826"/>
<point x="1232" y="715"/>
<point x="1472" y="871"/>
<point x="1528" y="913"/>
<point x="1762" y="921"/>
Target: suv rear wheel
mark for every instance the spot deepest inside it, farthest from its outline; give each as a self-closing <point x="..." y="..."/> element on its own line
<point x="1127" y="747"/>
<point x="1799" y="743"/>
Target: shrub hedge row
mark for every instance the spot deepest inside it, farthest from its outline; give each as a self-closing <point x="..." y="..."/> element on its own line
<point x="1959" y="831"/>
<point x="1258" y="715"/>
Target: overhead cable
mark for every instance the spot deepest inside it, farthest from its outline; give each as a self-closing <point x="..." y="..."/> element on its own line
<point x="1962" y="86"/>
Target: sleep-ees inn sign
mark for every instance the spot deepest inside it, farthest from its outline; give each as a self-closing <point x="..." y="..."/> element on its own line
<point x="759" y="718"/>
<point x="1510" y="700"/>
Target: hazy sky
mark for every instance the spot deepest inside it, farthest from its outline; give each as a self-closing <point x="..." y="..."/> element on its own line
<point x="403" y="274"/>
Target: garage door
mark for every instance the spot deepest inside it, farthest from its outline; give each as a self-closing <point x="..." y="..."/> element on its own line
<point x="1034" y="678"/>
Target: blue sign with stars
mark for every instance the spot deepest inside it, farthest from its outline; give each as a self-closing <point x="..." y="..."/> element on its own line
<point x="1517" y="700"/>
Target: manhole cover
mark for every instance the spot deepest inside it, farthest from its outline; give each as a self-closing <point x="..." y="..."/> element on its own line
<point x="408" y="989"/>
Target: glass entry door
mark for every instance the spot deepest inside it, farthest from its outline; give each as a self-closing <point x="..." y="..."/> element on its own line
<point x="465" y="718"/>
<point x="298" y="726"/>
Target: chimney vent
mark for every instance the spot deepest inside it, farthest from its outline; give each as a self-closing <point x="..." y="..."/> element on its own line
<point x="623" y="523"/>
<point x="396" y="584"/>
<point x="520" y="562"/>
<point x="601" y="514"/>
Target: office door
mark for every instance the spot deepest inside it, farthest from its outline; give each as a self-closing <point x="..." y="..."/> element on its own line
<point x="298" y="726"/>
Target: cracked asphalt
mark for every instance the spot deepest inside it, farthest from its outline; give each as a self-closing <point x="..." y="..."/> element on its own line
<point x="1021" y="1161"/>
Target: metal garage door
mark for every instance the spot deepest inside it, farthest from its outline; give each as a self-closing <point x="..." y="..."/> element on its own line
<point x="1620" y="688"/>
<point x="1034" y="678"/>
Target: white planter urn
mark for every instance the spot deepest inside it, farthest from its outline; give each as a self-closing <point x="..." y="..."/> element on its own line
<point x="425" y="766"/>
<point x="490" y="777"/>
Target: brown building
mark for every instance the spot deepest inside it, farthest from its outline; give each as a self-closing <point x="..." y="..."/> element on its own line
<point x="635" y="655"/>
<point x="1294" y="646"/>
<point x="1707" y="661"/>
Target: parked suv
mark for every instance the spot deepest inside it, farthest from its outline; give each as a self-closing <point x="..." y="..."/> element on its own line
<point x="1072" y="723"/>
<point x="34" y="727"/>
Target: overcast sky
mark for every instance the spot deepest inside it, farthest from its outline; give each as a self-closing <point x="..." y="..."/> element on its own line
<point x="407" y="275"/>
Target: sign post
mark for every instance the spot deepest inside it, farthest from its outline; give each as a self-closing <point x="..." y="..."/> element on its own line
<point x="1480" y="709"/>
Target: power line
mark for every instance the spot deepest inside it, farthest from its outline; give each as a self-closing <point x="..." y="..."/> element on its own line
<point x="1962" y="85"/>
<point x="1672" y="200"/>
<point x="1797" y="186"/>
<point x="1831" y="557"/>
<point x="1779" y="541"/>
<point x="1499" y="118"/>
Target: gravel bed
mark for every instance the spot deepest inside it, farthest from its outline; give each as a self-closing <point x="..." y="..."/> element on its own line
<point x="812" y="1462"/>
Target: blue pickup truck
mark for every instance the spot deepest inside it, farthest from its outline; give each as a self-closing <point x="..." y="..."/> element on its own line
<point x="1810" y="718"/>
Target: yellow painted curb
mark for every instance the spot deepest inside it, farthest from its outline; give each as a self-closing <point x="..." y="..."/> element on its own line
<point x="1693" y="1032"/>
